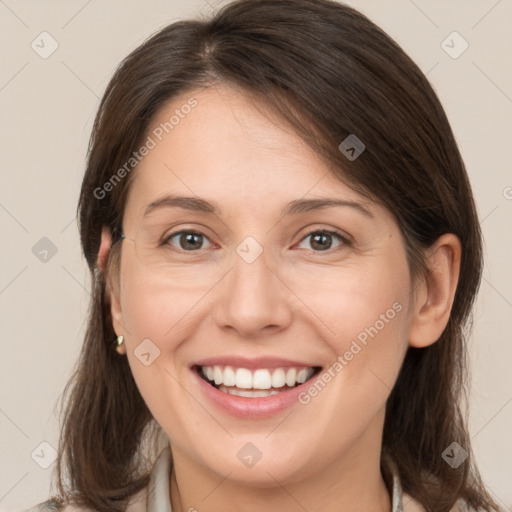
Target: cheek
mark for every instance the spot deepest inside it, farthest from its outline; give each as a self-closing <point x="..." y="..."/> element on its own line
<point x="159" y="316"/>
<point x="148" y="314"/>
<point x="152" y="319"/>
<point x="376" y="330"/>
<point x="154" y="306"/>
<point x="358" y="301"/>
<point x="371" y="313"/>
<point x="364" y="319"/>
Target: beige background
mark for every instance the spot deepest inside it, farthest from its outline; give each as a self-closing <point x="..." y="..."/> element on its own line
<point x="47" y="108"/>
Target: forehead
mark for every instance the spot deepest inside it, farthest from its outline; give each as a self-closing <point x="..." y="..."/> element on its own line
<point x="230" y="148"/>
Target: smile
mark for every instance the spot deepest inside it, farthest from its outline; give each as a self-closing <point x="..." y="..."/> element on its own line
<point x="252" y="388"/>
<point x="254" y="383"/>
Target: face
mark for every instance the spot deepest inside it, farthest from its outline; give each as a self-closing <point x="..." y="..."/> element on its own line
<point x="265" y="316"/>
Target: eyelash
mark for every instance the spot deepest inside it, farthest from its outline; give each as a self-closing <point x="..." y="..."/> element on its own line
<point x="344" y="239"/>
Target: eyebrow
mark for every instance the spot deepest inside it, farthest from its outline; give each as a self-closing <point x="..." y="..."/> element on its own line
<point x="295" y="207"/>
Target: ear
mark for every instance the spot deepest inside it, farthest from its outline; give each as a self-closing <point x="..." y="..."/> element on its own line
<point x="435" y="292"/>
<point x="112" y="287"/>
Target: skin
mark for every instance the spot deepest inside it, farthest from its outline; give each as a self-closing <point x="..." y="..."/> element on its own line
<point x="294" y="301"/>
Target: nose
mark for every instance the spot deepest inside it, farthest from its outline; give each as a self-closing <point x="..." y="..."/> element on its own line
<point x="252" y="300"/>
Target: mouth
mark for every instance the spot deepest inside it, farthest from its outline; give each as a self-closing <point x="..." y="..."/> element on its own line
<point x="255" y="383"/>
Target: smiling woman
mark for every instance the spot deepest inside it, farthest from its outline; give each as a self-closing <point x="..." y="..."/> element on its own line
<point x="288" y="273"/>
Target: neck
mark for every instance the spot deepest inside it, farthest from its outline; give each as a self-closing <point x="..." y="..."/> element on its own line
<point x="351" y="482"/>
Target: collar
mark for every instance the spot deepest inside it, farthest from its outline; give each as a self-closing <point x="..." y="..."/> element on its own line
<point x="158" y="488"/>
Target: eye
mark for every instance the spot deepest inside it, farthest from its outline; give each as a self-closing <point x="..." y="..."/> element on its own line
<point x="322" y="240"/>
<point x="187" y="240"/>
<point x="190" y="241"/>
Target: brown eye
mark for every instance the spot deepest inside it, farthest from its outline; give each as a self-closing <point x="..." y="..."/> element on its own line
<point x="187" y="240"/>
<point x="323" y="240"/>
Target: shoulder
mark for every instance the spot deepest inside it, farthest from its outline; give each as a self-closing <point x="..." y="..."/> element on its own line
<point x="411" y="505"/>
<point x="137" y="504"/>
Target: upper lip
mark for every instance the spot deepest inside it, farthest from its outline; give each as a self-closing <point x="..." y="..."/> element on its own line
<point x="253" y="363"/>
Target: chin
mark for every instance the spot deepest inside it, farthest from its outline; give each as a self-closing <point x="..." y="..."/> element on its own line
<point x="274" y="467"/>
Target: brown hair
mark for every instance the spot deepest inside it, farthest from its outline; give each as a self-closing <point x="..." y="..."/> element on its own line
<point x="329" y="72"/>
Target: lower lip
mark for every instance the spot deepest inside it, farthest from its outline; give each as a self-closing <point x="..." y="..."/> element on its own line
<point x="251" y="408"/>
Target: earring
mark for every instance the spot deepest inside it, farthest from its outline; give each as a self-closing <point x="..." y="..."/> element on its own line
<point x="119" y="344"/>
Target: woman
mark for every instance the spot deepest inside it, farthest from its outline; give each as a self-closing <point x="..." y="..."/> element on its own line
<point x="284" y="252"/>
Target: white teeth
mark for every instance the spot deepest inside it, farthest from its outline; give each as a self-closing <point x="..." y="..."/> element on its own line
<point x="261" y="379"/>
<point x="291" y="375"/>
<point x="278" y="378"/>
<point x="229" y="376"/>
<point x="243" y="378"/>
<point x="218" y="376"/>
<point x="248" y="393"/>
<point x="303" y="375"/>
